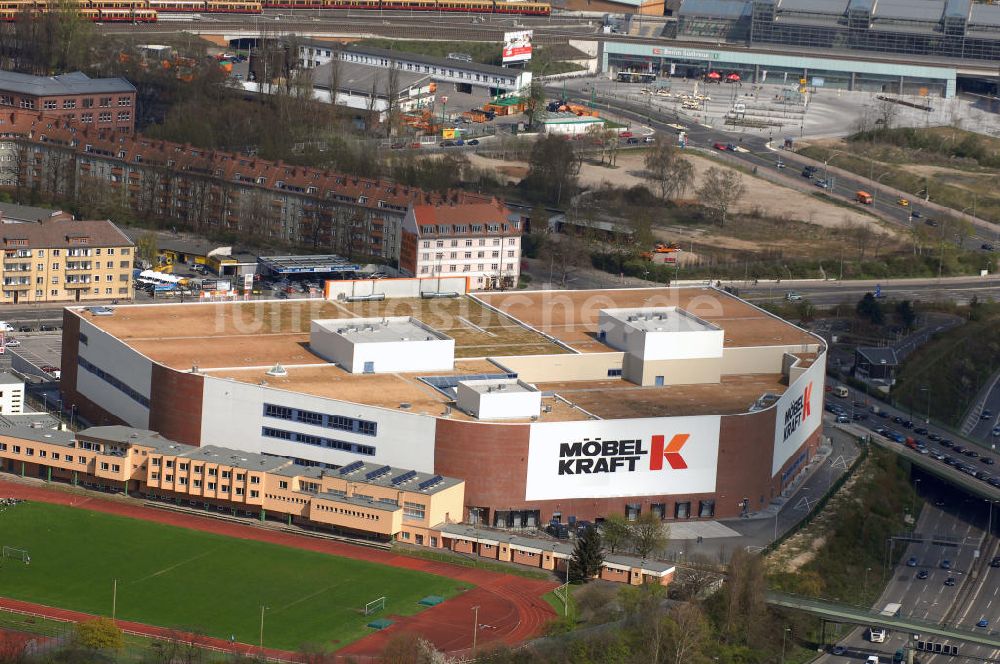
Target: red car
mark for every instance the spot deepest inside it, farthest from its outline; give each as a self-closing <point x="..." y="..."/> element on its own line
<point x="720" y="146"/>
<point x="626" y="134"/>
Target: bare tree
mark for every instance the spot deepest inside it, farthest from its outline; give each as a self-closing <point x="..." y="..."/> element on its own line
<point x="565" y="254"/>
<point x="669" y="172"/>
<point x="719" y="191"/>
<point x="691" y="632"/>
<point x="649" y="535"/>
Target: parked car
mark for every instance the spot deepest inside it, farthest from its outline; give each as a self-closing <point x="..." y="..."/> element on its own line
<point x="25" y="328"/>
<point x="11" y="343"/>
<point x="474" y="141"/>
<point x="719" y="146"/>
<point x="48" y="328"/>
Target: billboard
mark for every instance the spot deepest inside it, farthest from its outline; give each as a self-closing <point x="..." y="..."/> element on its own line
<point x="616" y="458"/>
<point x="517" y="46"/>
<point x="799" y="412"/>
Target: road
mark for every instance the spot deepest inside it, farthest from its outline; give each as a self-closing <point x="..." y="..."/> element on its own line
<point x="973" y="597"/>
<point x="756" y="152"/>
<point x="950" y="289"/>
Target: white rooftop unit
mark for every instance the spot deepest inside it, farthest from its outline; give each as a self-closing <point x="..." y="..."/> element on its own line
<point x="382" y="345"/>
<point x="499" y="399"/>
<point x="662" y="333"/>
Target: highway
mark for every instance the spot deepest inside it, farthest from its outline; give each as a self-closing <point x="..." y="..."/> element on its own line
<point x="951" y="289"/>
<point x="755" y="151"/>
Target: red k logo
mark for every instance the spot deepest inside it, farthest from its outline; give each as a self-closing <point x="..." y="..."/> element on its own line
<point x="806" y="398"/>
<point x="670" y="452"/>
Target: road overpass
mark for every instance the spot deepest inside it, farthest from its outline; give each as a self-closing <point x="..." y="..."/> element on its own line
<point x="843" y="613"/>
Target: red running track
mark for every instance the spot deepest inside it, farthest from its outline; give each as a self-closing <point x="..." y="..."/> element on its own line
<point x="510" y="607"/>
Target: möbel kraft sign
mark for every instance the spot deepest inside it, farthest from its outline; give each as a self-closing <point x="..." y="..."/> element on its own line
<point x="612" y="458"/>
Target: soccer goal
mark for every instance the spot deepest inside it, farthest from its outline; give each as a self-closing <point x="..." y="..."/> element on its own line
<point x="374" y="606"/>
<point x="16" y="554"/>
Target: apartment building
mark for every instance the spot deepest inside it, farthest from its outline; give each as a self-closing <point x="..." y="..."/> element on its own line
<point x="208" y="191"/>
<point x="11" y="394"/>
<point x="106" y="104"/>
<point x="480" y="241"/>
<point x="58" y="259"/>
<point x="360" y="500"/>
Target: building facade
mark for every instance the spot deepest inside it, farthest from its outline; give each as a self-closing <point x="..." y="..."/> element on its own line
<point x="105" y="104"/>
<point x="359" y="500"/>
<point x="58" y="260"/>
<point x="689" y="428"/>
<point x="11" y="394"/>
<point x="210" y="192"/>
<point x="479" y="241"/>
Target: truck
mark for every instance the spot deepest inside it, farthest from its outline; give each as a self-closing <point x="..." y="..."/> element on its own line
<point x="864" y="198"/>
<point x="892" y="610"/>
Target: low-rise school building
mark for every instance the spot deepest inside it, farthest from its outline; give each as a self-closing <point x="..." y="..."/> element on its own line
<point x="359" y="500"/>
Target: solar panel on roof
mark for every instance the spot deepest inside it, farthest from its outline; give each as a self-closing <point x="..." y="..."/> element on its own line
<point x="379" y="472"/>
<point x="434" y="481"/>
<point x="351" y="467"/>
<point x="405" y="477"/>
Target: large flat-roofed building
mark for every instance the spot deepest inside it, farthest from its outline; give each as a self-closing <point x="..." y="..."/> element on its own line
<point x="58" y="260"/>
<point x="107" y="104"/>
<point x="736" y="413"/>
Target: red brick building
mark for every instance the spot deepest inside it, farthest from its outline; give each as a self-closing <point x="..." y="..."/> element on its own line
<point x="106" y="104"/>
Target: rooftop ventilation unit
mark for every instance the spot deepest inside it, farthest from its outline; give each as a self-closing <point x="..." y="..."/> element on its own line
<point x="277" y="370"/>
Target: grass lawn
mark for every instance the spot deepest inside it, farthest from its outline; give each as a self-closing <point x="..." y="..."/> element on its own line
<point x="197" y="581"/>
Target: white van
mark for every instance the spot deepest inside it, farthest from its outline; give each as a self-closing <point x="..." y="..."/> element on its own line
<point x="840" y="391"/>
<point x="876" y="635"/>
<point x="6" y="327"/>
<point x="872" y="659"/>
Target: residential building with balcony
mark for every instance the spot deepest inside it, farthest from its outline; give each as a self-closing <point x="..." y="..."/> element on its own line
<point x="105" y="104"/>
<point x="58" y="260"/>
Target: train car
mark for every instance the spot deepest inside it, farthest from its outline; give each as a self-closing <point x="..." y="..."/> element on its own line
<point x="523" y="8"/>
<point x="125" y="15"/>
<point x="353" y="4"/>
<point x="188" y="6"/>
<point x="232" y="7"/>
<point x="294" y="4"/>
<point x="469" y="6"/>
<point x="115" y="4"/>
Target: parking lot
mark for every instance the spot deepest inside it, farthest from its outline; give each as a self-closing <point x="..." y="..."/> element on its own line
<point x="35" y="350"/>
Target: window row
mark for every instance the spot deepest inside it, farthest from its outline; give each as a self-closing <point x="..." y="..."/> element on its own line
<point x="115" y="382"/>
<point x="340" y="422"/>
<point x="318" y="441"/>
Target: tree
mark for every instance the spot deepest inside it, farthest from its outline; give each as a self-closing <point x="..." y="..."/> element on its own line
<point x="907" y="314"/>
<point x="870" y="309"/>
<point x="649" y="535"/>
<point x="147" y="248"/>
<point x="719" y="191"/>
<point x="615" y="532"/>
<point x="587" y="556"/>
<point x="669" y="172"/>
<point x="409" y="648"/>
<point x="687" y="633"/>
<point x="98" y="634"/>
<point x="553" y="167"/>
<point x="564" y="254"/>
<point x="533" y="97"/>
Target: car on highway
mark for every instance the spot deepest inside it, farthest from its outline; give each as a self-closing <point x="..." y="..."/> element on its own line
<point x="994" y="481"/>
<point x="971" y="453"/>
<point x="934" y="436"/>
<point x="996" y="432"/>
<point x="838" y="650"/>
<point x="792" y="296"/>
<point x="823" y="184"/>
<point x="995" y="562"/>
<point x="719" y="146"/>
<point x="946" y="442"/>
<point x="915" y="213"/>
<point x="903" y="202"/>
<point x="950" y="581"/>
<point x="809" y="171"/>
<point x="987" y="460"/>
<point x="907" y="424"/>
<point x="922" y="431"/>
<point x="923" y="574"/>
<point x="945" y="564"/>
<point x="912" y="561"/>
<point x="931" y="222"/>
<point x="983" y="623"/>
<point x="986" y="246"/>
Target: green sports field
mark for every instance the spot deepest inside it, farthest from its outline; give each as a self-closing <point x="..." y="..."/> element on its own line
<point x="197" y="581"/>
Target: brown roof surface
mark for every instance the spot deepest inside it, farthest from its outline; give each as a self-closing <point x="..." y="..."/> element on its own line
<point x="621" y="399"/>
<point x="64" y="233"/>
<point x="572" y="316"/>
<point x="386" y="390"/>
<point x="450" y="215"/>
<point x="255" y="334"/>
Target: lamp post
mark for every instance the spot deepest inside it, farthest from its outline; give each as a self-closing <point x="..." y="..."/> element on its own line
<point x="475" y="628"/>
<point x="927" y="419"/>
<point x="878" y="183"/>
<point x="867" y="569"/>
<point x="262" y="609"/>
<point x="826" y="169"/>
<point x="784" y="638"/>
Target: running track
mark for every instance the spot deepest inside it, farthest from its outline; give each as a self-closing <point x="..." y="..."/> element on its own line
<point x="510" y="607"/>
